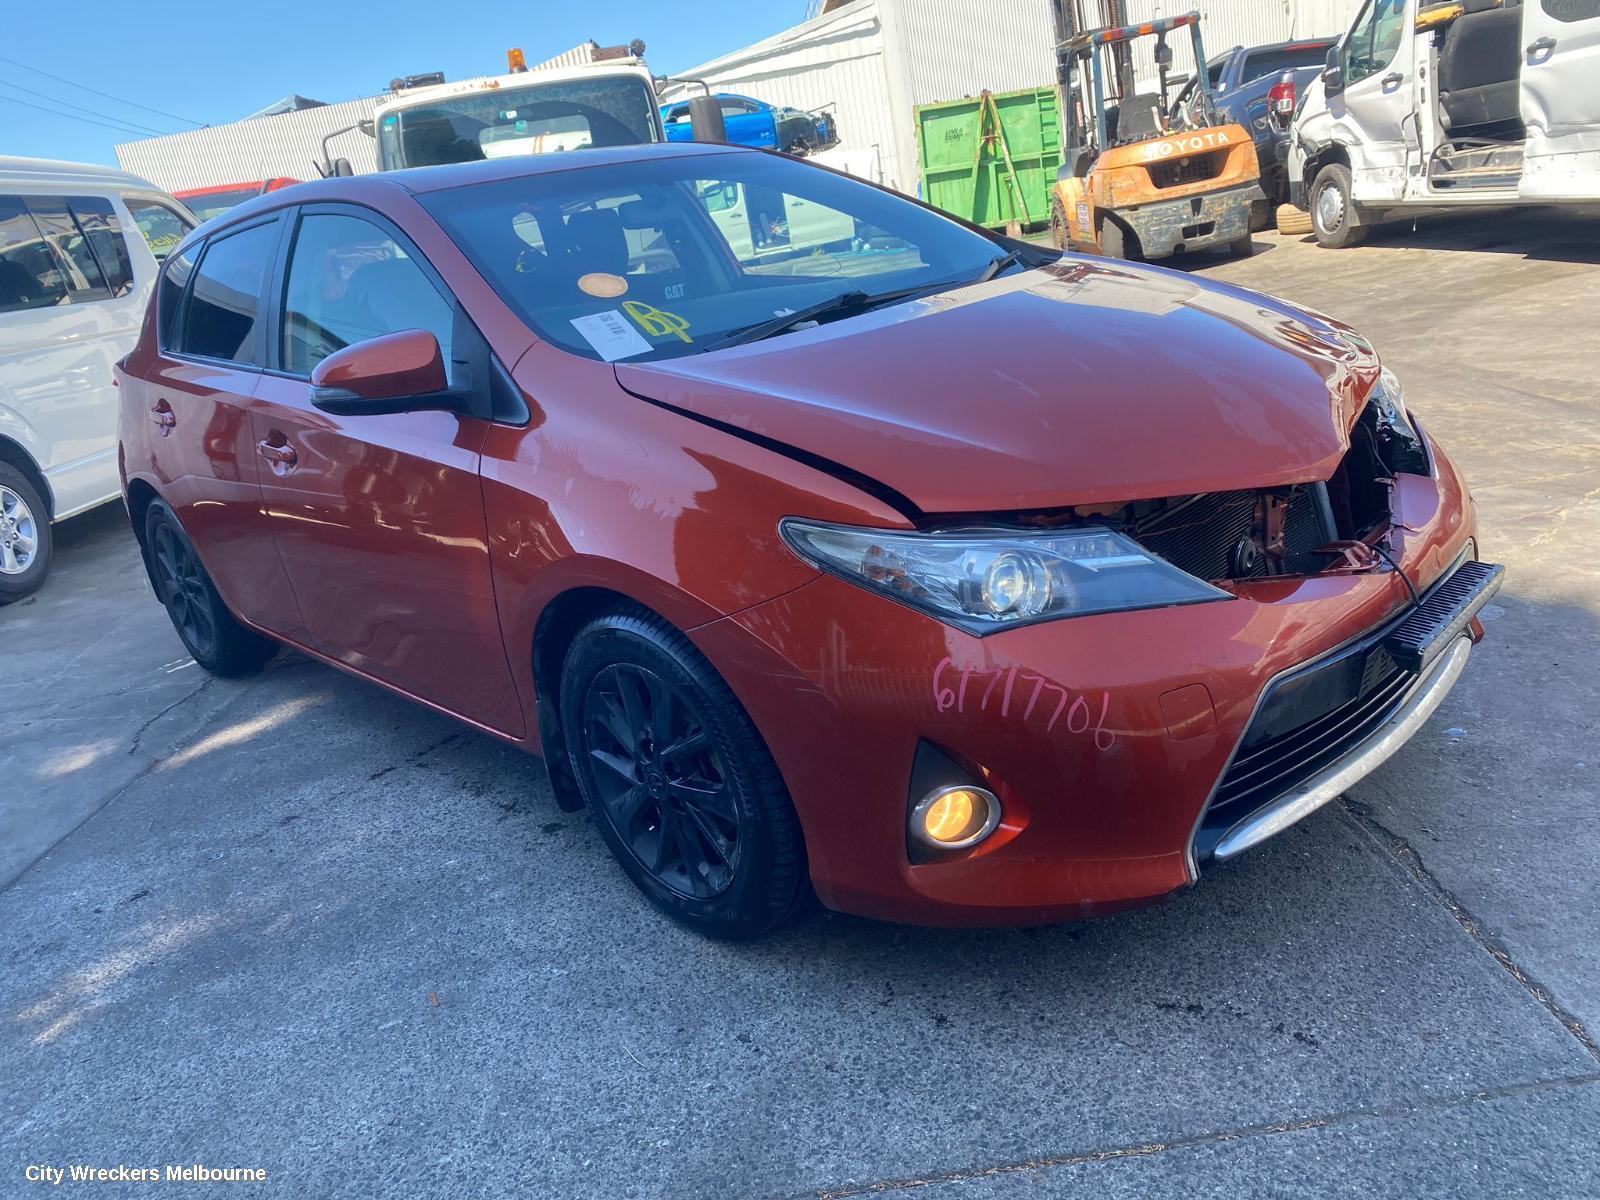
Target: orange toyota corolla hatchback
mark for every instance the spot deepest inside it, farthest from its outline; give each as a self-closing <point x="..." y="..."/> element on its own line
<point x="816" y="540"/>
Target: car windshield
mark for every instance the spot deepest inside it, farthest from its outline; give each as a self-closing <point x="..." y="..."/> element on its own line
<point x="214" y="204"/>
<point x="534" y="119"/>
<point x="654" y="259"/>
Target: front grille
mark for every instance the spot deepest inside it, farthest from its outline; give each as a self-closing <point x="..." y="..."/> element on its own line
<point x="1200" y="535"/>
<point x="1196" y="168"/>
<point x="1310" y="719"/>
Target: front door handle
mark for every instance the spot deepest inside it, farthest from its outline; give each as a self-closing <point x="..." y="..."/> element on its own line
<point x="1393" y="80"/>
<point x="281" y="458"/>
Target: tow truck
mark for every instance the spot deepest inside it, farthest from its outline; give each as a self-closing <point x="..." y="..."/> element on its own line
<point x="610" y="101"/>
<point x="1147" y="174"/>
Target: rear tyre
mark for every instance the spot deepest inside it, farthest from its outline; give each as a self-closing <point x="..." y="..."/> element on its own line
<point x="211" y="634"/>
<point x="1117" y="242"/>
<point x="1292" y="221"/>
<point x="678" y="780"/>
<point x="1242" y="247"/>
<point x="25" y="544"/>
<point x="1332" y="209"/>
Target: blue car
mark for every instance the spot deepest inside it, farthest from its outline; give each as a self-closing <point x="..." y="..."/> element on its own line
<point x="752" y="122"/>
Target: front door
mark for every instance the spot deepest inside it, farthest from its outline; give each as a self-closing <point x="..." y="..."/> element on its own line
<point x="1374" y="112"/>
<point x="379" y="519"/>
<point x="1560" y="102"/>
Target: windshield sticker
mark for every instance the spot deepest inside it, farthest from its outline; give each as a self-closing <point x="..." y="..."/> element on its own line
<point x="603" y="284"/>
<point x="610" y="336"/>
<point x="656" y="322"/>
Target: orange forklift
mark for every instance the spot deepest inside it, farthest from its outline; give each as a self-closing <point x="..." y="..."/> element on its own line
<point x="1148" y="174"/>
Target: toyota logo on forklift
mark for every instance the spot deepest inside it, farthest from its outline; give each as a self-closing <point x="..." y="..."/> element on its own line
<point x="1209" y="140"/>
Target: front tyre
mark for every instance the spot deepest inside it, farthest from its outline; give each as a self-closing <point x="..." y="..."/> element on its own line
<point x="1058" y="223"/>
<point x="678" y="779"/>
<point x="25" y="545"/>
<point x="1333" y="209"/>
<point x="209" y="632"/>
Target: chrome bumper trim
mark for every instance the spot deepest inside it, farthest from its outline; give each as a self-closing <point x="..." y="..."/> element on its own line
<point x="1335" y="779"/>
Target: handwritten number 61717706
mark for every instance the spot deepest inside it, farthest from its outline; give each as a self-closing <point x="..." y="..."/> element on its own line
<point x="1022" y="694"/>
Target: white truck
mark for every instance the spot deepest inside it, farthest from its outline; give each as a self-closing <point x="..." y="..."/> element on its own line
<point x="1430" y="106"/>
<point x="551" y="109"/>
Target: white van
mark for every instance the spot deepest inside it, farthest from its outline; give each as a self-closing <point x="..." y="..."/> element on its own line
<point x="78" y="252"/>
<point x="1437" y="105"/>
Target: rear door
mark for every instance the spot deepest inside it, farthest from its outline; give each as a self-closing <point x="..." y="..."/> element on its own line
<point x="379" y="520"/>
<point x="749" y="124"/>
<point x="1373" y="114"/>
<point x="196" y="397"/>
<point x="1560" y="102"/>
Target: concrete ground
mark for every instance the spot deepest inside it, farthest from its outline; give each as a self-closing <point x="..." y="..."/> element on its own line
<point x="294" y="923"/>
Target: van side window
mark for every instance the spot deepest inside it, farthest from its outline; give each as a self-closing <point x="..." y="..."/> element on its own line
<point x="350" y="281"/>
<point x="81" y="272"/>
<point x="1374" y="39"/>
<point x="100" y="225"/>
<point x="31" y="275"/>
<point x="225" y="300"/>
<point x="161" y="226"/>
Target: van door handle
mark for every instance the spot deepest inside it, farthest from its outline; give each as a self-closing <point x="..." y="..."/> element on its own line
<point x="282" y="458"/>
<point x="162" y="416"/>
<point x="1542" y="47"/>
<point x="1393" y="80"/>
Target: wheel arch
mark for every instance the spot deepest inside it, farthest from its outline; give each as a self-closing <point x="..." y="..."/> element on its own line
<point x="138" y="497"/>
<point x="13" y="454"/>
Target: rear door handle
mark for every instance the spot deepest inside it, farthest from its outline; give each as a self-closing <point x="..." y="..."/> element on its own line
<point x="162" y="416"/>
<point x="281" y="457"/>
<point x="1541" y="47"/>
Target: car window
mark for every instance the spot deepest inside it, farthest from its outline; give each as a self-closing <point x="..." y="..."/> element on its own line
<point x="1572" y="10"/>
<point x="160" y="224"/>
<point x="1374" y="39"/>
<point x="1283" y="58"/>
<point x="99" y="224"/>
<point x="219" y="321"/>
<point x="214" y="204"/>
<point x="732" y="106"/>
<point x="31" y="274"/>
<point x="349" y="281"/>
<point x="80" y="271"/>
<point x="169" y="297"/>
<point x="661" y="257"/>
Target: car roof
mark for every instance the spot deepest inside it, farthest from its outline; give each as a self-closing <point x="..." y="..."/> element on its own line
<point x="55" y="173"/>
<point x="418" y="181"/>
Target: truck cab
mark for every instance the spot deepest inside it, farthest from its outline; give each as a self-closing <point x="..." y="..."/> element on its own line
<point x="1434" y="106"/>
<point x="543" y="111"/>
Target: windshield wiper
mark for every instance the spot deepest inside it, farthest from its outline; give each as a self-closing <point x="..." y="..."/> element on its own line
<point x="1010" y="259"/>
<point x="851" y="301"/>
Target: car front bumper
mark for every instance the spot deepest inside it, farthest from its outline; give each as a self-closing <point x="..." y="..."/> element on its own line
<point x="1104" y="737"/>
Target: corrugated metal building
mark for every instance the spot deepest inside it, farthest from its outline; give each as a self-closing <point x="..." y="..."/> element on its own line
<point x="281" y="145"/>
<point x="874" y="61"/>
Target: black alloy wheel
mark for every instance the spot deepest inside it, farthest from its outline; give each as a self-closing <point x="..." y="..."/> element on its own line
<point x="678" y="779"/>
<point x="659" y="781"/>
<point x="180" y="582"/>
<point x="212" y="634"/>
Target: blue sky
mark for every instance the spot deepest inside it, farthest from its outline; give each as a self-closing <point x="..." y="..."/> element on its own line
<point x="220" y="61"/>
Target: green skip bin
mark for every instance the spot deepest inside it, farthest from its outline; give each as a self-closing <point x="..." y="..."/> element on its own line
<point x="992" y="158"/>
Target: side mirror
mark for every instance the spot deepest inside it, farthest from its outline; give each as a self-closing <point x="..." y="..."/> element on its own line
<point x="1163" y="53"/>
<point x="342" y="168"/>
<point x="1333" y="73"/>
<point x="398" y="372"/>
<point x="366" y="126"/>
<point x="705" y="119"/>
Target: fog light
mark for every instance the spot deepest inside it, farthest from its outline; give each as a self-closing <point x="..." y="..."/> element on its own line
<point x="953" y="818"/>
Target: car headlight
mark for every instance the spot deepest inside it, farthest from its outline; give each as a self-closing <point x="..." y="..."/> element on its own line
<point x="1399" y="443"/>
<point x="987" y="580"/>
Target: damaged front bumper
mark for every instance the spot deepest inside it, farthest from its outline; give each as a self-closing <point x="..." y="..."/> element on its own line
<point x="1195" y="222"/>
